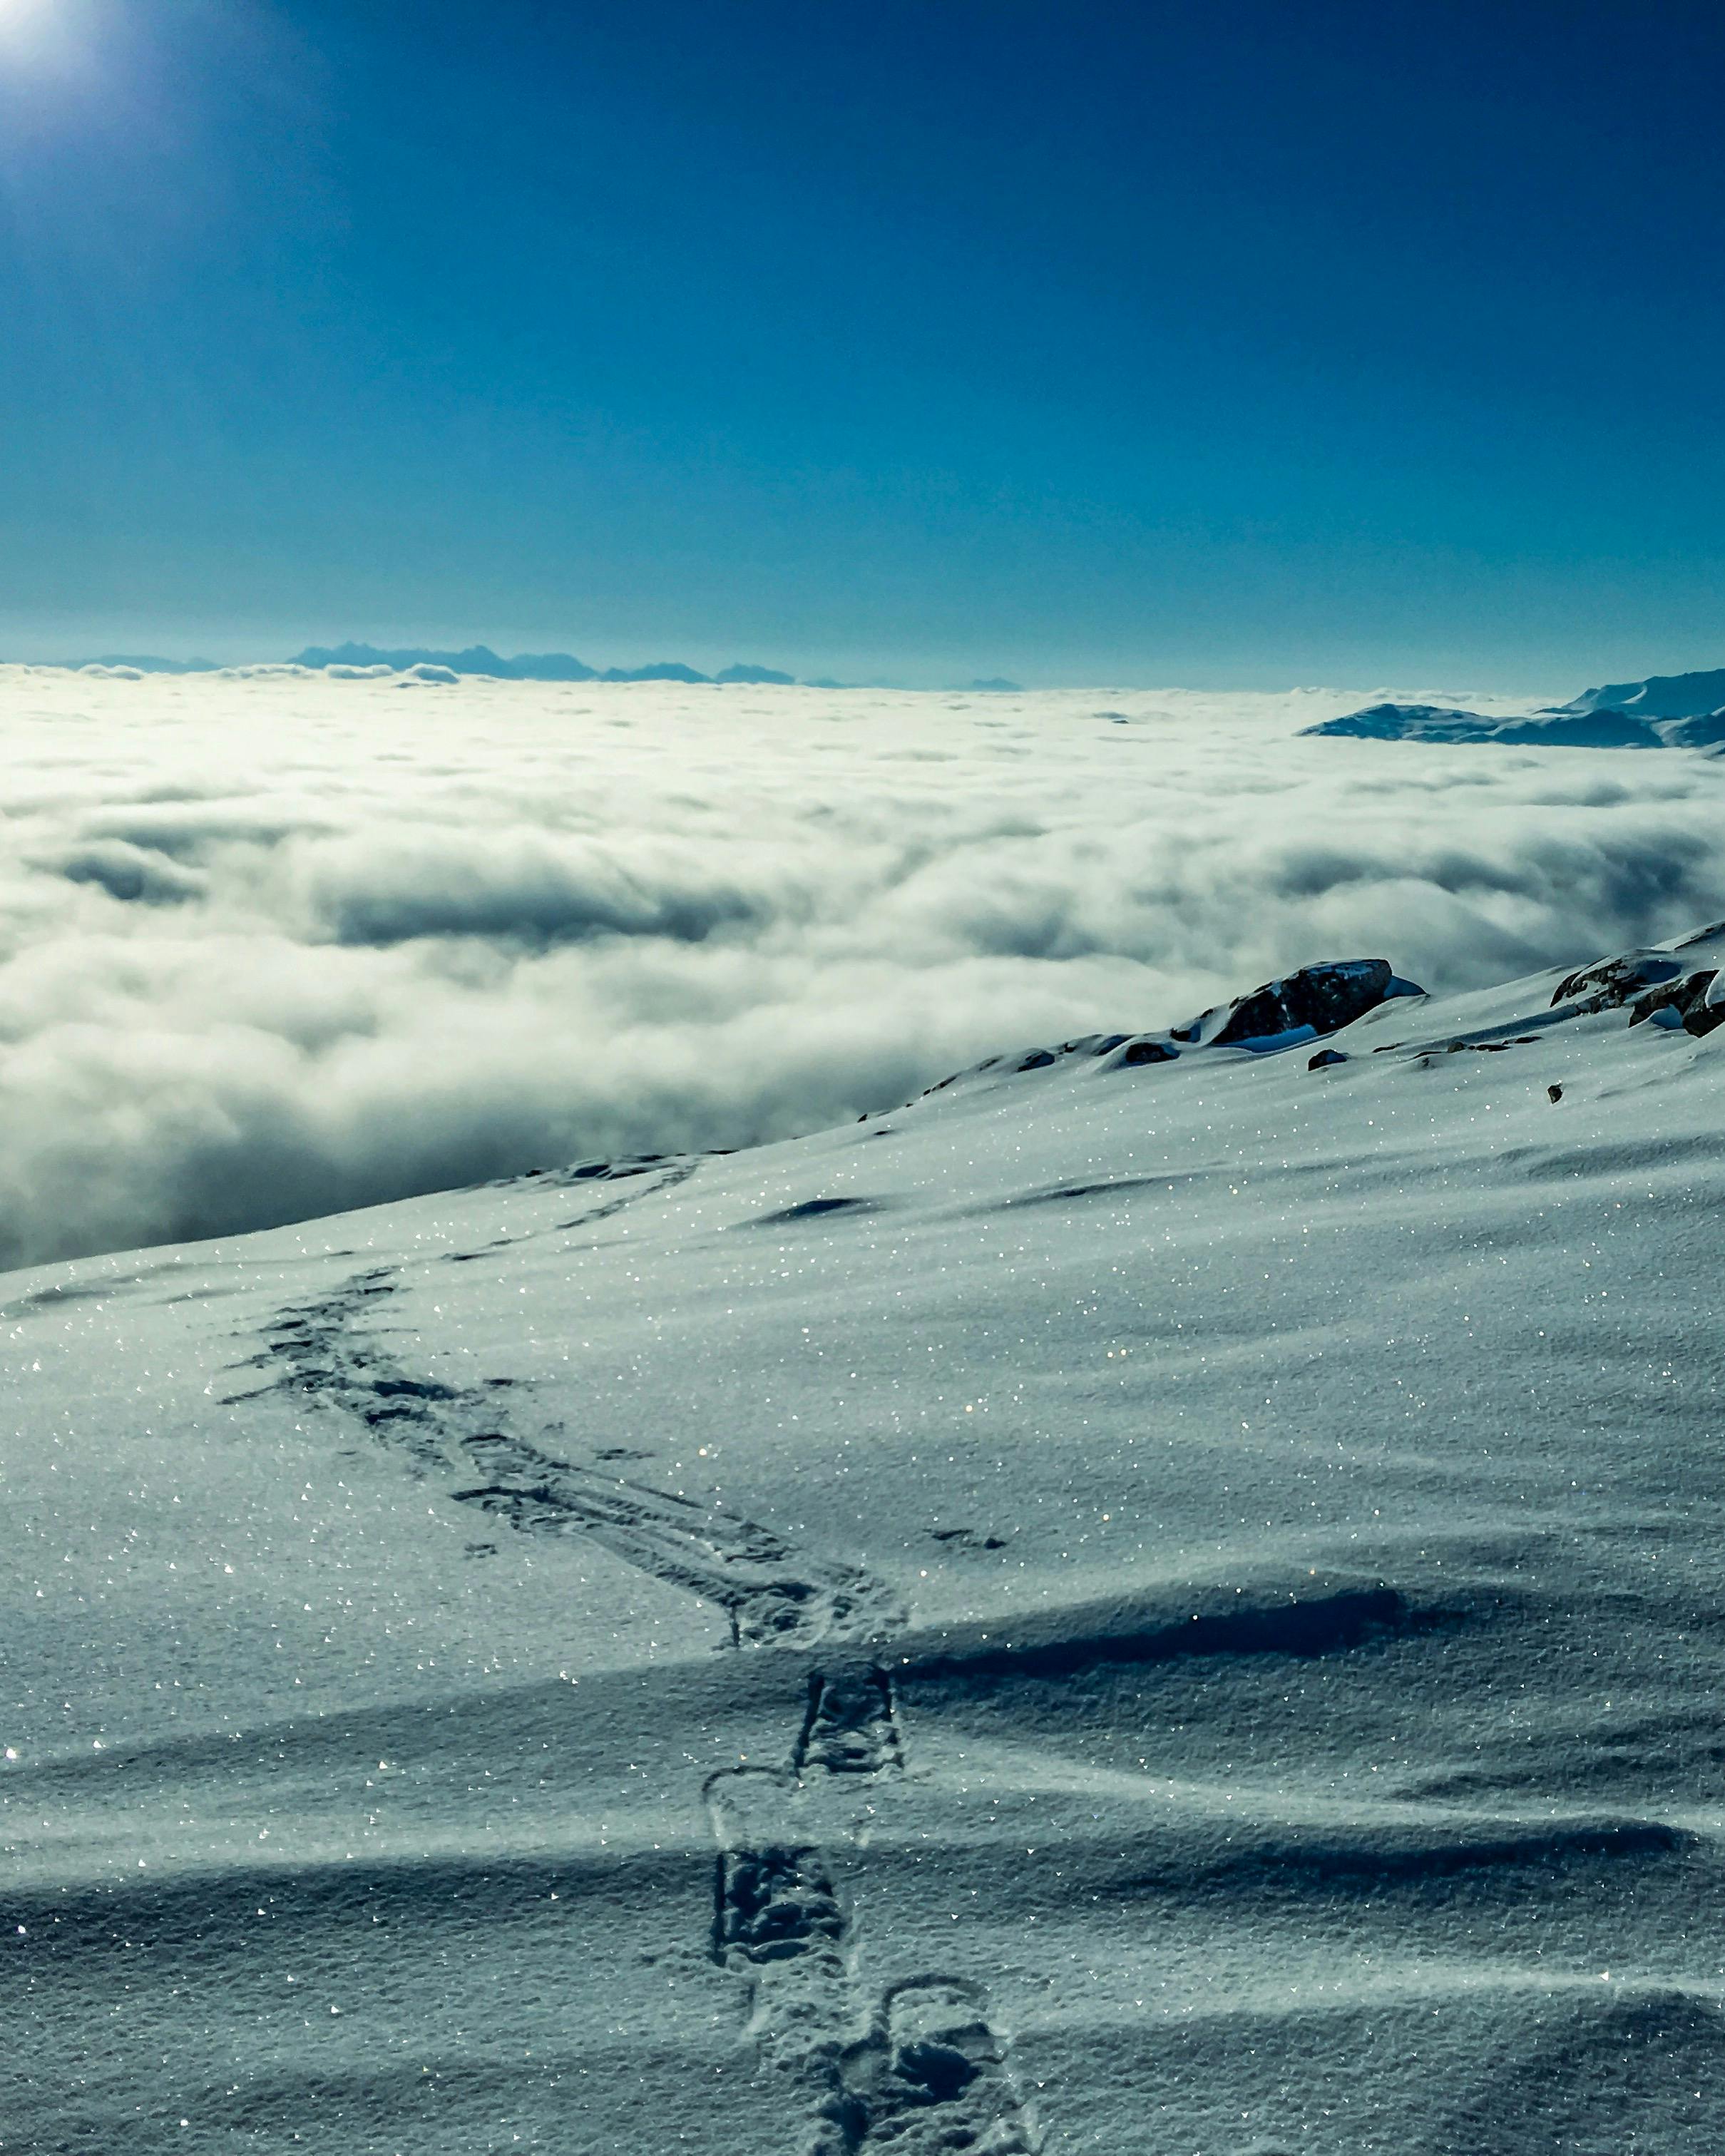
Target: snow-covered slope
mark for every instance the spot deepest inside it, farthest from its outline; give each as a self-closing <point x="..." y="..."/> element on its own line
<point x="1150" y="1603"/>
<point x="1660" y="696"/>
<point x="1585" y="724"/>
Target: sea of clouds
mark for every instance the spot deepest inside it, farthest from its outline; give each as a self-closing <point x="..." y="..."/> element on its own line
<point x="274" y="944"/>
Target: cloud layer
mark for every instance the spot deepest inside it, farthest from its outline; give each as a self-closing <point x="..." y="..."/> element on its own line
<point x="275" y="944"/>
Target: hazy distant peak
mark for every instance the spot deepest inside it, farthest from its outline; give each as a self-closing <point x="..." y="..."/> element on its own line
<point x="476" y="658"/>
<point x="133" y="663"/>
<point x="663" y="670"/>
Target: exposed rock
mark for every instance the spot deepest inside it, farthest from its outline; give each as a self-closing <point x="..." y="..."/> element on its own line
<point x="1317" y="999"/>
<point x="1609" y="983"/>
<point x="1690" y="1003"/>
<point x="1324" y="998"/>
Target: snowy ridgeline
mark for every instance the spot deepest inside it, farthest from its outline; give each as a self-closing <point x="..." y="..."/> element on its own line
<point x="1667" y="710"/>
<point x="1163" y="1597"/>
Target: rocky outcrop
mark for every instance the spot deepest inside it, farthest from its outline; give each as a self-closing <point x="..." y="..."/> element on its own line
<point x="1316" y="1000"/>
<point x="1283" y="1013"/>
<point x="1611" y="982"/>
<point x="1697" y="1003"/>
<point x="1653" y="984"/>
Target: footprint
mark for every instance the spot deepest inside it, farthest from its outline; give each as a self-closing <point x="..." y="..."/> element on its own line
<point x="772" y="1592"/>
<point x="851" y="1727"/>
<point x="932" y="2076"/>
<point x="778" y="1921"/>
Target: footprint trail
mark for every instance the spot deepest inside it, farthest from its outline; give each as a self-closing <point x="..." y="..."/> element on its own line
<point x="330" y="1353"/>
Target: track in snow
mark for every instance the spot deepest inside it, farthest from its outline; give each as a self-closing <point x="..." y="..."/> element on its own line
<point x="327" y="1352"/>
<point x="932" y="2076"/>
<point x="929" y="2073"/>
<point x="770" y="1591"/>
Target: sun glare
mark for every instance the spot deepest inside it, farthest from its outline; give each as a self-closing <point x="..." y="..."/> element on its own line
<point x="31" y="29"/>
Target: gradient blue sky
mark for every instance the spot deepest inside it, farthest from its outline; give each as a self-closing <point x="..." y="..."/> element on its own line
<point x="1232" y="342"/>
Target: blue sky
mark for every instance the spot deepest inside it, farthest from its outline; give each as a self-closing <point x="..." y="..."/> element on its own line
<point x="1220" y="343"/>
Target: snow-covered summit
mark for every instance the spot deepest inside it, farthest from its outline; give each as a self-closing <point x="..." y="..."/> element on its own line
<point x="1660" y="697"/>
<point x="1585" y="724"/>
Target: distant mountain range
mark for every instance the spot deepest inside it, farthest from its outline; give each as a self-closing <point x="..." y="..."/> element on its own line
<point x="478" y="658"/>
<point x="1666" y="710"/>
<point x="138" y="664"/>
<point x="527" y="665"/>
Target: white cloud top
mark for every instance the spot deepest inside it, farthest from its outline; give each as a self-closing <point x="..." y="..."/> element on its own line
<point x="274" y="944"/>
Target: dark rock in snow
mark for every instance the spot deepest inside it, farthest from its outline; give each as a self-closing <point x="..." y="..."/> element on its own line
<point x="1611" y="982"/>
<point x="1324" y="1058"/>
<point x="1317" y="999"/>
<point x="1653" y="984"/>
<point x="1681" y="1003"/>
<point x="1325" y="998"/>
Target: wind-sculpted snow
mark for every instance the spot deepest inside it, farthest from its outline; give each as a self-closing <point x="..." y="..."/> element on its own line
<point x="276" y="946"/>
<point x="1149" y="1604"/>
